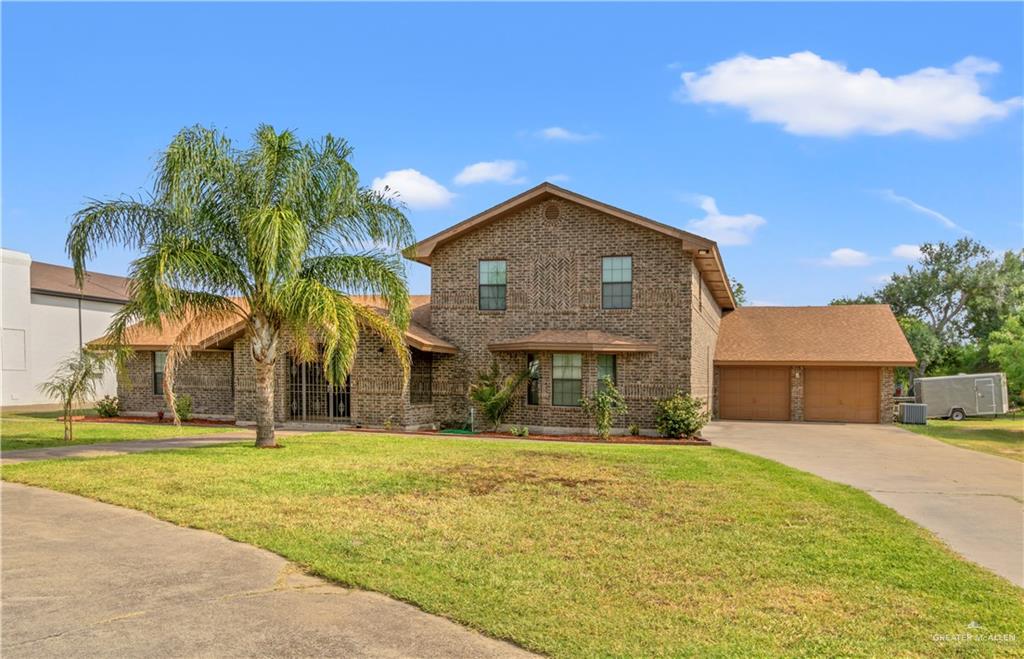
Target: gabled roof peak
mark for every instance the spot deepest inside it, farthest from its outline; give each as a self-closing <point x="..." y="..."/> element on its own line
<point x="707" y="257"/>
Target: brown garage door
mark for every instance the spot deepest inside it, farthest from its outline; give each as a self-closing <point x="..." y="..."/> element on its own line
<point x="841" y="394"/>
<point x="754" y="393"/>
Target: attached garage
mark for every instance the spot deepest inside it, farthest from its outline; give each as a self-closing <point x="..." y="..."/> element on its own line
<point x="754" y="393"/>
<point x="842" y="394"/>
<point x="830" y="363"/>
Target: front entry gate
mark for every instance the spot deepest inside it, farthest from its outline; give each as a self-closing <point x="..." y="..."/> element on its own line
<point x="312" y="398"/>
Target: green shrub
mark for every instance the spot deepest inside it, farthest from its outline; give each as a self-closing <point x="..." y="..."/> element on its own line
<point x="519" y="431"/>
<point x="183" y="407"/>
<point x="634" y="429"/>
<point x="108" y="407"/>
<point x="681" y="415"/>
<point x="496" y="394"/>
<point x="604" y="405"/>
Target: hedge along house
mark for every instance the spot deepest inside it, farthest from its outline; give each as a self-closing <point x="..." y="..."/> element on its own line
<point x="583" y="290"/>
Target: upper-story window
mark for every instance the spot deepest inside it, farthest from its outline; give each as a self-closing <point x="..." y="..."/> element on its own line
<point x="159" y="366"/>
<point x="492" y="285"/>
<point x="617" y="282"/>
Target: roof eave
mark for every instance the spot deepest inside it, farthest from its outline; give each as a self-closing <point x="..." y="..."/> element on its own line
<point x="814" y="362"/>
<point x="547" y="346"/>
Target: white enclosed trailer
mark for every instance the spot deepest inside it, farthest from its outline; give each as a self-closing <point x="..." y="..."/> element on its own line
<point x="964" y="395"/>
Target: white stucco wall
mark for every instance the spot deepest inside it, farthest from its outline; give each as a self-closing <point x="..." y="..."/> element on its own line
<point x="16" y="385"/>
<point x="50" y="325"/>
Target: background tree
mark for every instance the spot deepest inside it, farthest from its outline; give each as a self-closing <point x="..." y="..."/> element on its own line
<point x="739" y="291"/>
<point x="1006" y="347"/>
<point x="75" y="381"/>
<point x="276" y="235"/>
<point x="961" y="294"/>
<point x="923" y="342"/>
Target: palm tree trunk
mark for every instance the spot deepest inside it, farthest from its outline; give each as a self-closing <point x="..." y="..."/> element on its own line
<point x="265" y="405"/>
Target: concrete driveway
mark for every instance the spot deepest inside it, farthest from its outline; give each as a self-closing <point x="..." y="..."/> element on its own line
<point x="85" y="579"/>
<point x="971" y="500"/>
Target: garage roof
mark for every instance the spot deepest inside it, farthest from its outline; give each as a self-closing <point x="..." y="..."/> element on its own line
<point x="862" y="334"/>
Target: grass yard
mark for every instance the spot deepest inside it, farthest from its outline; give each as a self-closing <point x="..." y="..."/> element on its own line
<point x="42" y="430"/>
<point x="1002" y="436"/>
<point x="580" y="550"/>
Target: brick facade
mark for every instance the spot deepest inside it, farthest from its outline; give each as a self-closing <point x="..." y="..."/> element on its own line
<point x="553" y="249"/>
<point x="375" y="385"/>
<point x="796" y="393"/>
<point x="554" y="267"/>
<point x="206" y="376"/>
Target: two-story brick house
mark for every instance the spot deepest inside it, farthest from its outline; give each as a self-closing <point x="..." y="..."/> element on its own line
<point x="582" y="289"/>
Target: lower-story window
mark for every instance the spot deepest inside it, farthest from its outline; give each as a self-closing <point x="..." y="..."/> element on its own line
<point x="533" y="384"/>
<point x="566" y="380"/>
<point x="420" y="377"/>
<point x="607" y="368"/>
<point x="159" y="365"/>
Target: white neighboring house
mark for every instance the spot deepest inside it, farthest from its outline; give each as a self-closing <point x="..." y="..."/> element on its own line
<point x="45" y="318"/>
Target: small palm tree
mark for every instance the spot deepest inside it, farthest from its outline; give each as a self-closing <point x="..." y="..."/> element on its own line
<point x="496" y="394"/>
<point x="277" y="235"/>
<point x="74" y="381"/>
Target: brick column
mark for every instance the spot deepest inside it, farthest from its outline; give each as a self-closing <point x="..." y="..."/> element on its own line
<point x="887" y="384"/>
<point x="796" y="393"/>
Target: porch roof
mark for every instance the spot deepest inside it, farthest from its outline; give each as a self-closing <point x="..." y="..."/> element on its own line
<point x="222" y="332"/>
<point x="572" y="340"/>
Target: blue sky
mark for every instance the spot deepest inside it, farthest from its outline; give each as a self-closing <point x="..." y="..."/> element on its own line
<point x="780" y="141"/>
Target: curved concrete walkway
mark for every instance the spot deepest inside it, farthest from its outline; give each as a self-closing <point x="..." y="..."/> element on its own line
<point x="971" y="500"/>
<point x="85" y="579"/>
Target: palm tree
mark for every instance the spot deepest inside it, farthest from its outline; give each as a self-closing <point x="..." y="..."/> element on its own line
<point x="74" y="381"/>
<point x="276" y="235"/>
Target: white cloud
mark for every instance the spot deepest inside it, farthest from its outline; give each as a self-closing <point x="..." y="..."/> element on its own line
<point x="763" y="303"/>
<point x="558" y="178"/>
<point x="845" y="257"/>
<point x="416" y="190"/>
<point x="725" y="229"/>
<point x="809" y="95"/>
<point x="880" y="279"/>
<point x="493" y="171"/>
<point x="914" y="206"/>
<point x="908" y="252"/>
<point x="559" y="134"/>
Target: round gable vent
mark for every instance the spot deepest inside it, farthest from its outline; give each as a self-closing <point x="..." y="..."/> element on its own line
<point x="552" y="211"/>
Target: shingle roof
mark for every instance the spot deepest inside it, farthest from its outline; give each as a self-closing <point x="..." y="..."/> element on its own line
<point x="843" y="334"/>
<point x="60" y="280"/>
<point x="223" y="332"/>
<point x="578" y="340"/>
<point x="706" y="256"/>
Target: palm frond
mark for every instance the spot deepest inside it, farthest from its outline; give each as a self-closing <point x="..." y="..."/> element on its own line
<point x="370" y="273"/>
<point x="118" y="223"/>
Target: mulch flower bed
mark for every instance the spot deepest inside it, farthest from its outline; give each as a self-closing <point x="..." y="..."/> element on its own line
<point x="167" y="420"/>
<point x="583" y="439"/>
<point x="594" y="439"/>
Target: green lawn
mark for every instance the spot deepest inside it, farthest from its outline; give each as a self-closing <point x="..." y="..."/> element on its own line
<point x="1002" y="436"/>
<point x="579" y="550"/>
<point x="42" y="429"/>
